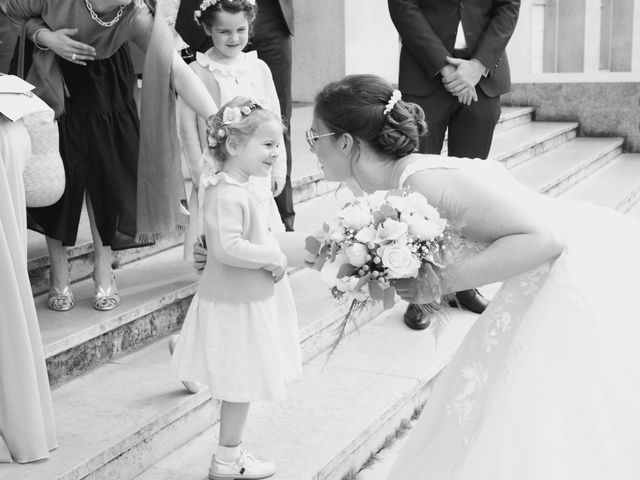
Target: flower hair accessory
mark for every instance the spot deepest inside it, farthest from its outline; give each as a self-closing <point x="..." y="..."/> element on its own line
<point x="210" y="3"/>
<point x="230" y="115"/>
<point x="395" y="97"/>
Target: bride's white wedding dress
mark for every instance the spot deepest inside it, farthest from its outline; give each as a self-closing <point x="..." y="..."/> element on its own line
<point x="546" y="384"/>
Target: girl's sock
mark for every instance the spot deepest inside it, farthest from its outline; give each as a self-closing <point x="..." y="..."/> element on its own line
<point x="228" y="454"/>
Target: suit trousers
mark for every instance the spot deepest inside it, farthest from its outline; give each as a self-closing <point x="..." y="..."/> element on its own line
<point x="272" y="41"/>
<point x="470" y="127"/>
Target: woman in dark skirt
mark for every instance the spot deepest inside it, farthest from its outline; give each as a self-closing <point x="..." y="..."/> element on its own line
<point x="82" y="50"/>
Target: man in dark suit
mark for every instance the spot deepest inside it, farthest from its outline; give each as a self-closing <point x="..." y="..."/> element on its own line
<point x="453" y="64"/>
<point x="273" y="30"/>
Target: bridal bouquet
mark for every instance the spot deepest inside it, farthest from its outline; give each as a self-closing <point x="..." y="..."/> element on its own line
<point x="375" y="239"/>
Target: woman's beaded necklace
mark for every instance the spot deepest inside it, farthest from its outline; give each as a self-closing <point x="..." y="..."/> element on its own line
<point x="97" y="19"/>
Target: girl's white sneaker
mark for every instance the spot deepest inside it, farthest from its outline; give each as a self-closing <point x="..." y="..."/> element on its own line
<point x="245" y="467"/>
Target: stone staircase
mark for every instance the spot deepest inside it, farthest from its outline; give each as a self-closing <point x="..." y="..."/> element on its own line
<point x="120" y="413"/>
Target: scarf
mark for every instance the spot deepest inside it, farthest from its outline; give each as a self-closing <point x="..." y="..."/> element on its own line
<point x="160" y="181"/>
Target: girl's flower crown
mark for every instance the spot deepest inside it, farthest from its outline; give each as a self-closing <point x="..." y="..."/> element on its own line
<point x="230" y="116"/>
<point x="210" y="3"/>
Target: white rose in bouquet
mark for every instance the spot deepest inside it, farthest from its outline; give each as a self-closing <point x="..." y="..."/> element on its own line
<point x="417" y="203"/>
<point x="424" y="229"/>
<point x="399" y="261"/>
<point x="356" y="216"/>
<point x="392" y="229"/>
<point x="357" y="254"/>
<point x="398" y="202"/>
<point x="366" y="235"/>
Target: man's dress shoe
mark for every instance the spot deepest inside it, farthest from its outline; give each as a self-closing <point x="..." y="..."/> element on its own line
<point x="415" y="318"/>
<point x="472" y="300"/>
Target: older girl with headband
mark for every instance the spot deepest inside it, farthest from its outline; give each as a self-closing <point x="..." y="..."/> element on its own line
<point x="228" y="72"/>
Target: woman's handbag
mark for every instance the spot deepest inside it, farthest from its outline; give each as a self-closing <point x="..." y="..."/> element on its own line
<point x="43" y="175"/>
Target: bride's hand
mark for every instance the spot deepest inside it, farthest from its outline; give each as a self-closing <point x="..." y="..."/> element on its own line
<point x="425" y="288"/>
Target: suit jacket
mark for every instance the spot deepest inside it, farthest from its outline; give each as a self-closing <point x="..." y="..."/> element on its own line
<point x="194" y="35"/>
<point x="428" y="30"/>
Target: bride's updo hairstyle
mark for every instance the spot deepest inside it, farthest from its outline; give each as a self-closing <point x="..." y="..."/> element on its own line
<point x="358" y="104"/>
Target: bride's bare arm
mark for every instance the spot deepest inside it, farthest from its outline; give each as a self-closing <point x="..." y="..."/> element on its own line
<point x="519" y="238"/>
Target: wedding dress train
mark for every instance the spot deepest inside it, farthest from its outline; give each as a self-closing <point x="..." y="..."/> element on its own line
<point x="546" y="384"/>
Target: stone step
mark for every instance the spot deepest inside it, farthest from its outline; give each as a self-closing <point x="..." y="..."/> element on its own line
<point x="131" y="413"/>
<point x="337" y="414"/>
<point x="511" y="117"/>
<point x="156" y="292"/>
<point x="519" y="144"/>
<point x="635" y="211"/>
<point x="616" y="185"/>
<point x="562" y="167"/>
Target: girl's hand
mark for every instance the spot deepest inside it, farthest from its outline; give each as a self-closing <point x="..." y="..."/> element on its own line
<point x="200" y="254"/>
<point x="277" y="185"/>
<point x="278" y="274"/>
<point x="278" y="271"/>
<point x="66" y="47"/>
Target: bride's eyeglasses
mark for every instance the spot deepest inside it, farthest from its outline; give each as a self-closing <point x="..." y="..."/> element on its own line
<point x="311" y="135"/>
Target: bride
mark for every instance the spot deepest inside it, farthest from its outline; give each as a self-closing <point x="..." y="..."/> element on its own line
<point x="546" y="384"/>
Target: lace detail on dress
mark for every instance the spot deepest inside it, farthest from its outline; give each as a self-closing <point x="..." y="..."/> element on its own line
<point x="492" y="346"/>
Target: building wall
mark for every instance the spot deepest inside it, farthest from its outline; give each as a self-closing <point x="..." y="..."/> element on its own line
<point x="335" y="38"/>
<point x="318" y="46"/>
<point x="602" y="109"/>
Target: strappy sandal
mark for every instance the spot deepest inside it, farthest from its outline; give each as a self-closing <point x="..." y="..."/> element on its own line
<point x="60" y="300"/>
<point x="106" y="299"/>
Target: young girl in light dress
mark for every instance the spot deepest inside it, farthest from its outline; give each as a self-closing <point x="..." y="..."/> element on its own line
<point x="240" y="336"/>
<point x="228" y="72"/>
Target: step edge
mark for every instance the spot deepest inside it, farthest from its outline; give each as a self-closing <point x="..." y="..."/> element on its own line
<point x="584" y="164"/>
<point x="421" y="385"/>
<point x="120" y="320"/>
<point x="539" y="140"/>
<point x="168" y="416"/>
<point x="125" y="317"/>
<point x="140" y="435"/>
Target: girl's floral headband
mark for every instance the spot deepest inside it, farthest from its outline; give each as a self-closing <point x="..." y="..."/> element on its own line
<point x="210" y="3"/>
<point x="232" y="115"/>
